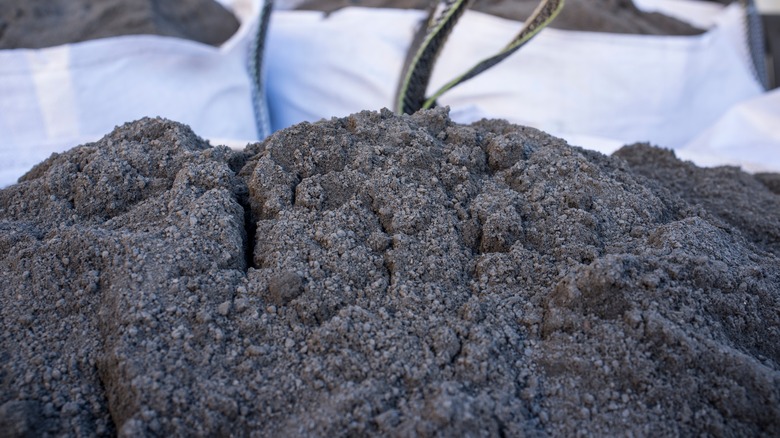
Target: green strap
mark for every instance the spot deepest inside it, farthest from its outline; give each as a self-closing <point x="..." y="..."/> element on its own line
<point x="418" y="69"/>
<point x="424" y="51"/>
<point x="257" y="49"/>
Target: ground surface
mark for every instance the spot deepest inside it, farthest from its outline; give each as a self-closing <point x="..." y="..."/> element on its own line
<point x="386" y="275"/>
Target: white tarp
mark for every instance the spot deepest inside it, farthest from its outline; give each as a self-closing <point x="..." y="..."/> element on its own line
<point x="595" y="89"/>
<point x="55" y="98"/>
<point x="695" y="94"/>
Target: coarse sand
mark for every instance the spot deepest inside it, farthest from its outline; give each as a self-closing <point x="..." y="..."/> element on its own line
<point x="386" y="275"/>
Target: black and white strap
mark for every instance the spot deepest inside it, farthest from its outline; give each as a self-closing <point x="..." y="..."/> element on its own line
<point x="430" y="39"/>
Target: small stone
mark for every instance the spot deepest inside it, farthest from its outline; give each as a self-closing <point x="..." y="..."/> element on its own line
<point x="241" y="305"/>
<point x="70" y="409"/>
<point x="224" y="308"/>
<point x="254" y="350"/>
<point x="388" y="419"/>
<point x="284" y="288"/>
<point x="589" y="399"/>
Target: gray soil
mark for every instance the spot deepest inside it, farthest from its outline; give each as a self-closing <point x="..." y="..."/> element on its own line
<point x="43" y="23"/>
<point x="385" y="275"/>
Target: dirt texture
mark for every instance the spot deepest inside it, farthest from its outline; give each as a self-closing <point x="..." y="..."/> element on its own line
<point x="386" y="275"/>
<point x="34" y="24"/>
<point x="614" y="16"/>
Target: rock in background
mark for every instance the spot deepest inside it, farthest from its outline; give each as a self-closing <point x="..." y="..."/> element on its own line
<point x="33" y="24"/>
<point x="614" y="16"/>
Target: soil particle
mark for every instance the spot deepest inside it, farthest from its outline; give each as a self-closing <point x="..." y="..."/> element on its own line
<point x="407" y="276"/>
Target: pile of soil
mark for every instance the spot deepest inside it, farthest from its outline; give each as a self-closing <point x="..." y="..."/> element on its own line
<point x="35" y="24"/>
<point x="388" y="275"/>
<point x="614" y="16"/>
